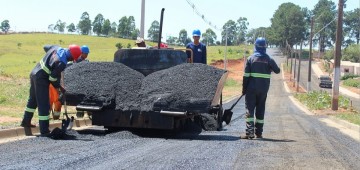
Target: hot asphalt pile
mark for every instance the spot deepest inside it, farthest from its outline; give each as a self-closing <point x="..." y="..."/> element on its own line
<point x="102" y="83"/>
<point x="185" y="87"/>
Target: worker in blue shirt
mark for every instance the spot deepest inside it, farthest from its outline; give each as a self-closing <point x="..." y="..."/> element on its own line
<point x="198" y="49"/>
<point x="256" y="83"/>
<point x="46" y="72"/>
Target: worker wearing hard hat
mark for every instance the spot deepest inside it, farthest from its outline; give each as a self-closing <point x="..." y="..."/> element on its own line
<point x="198" y="49"/>
<point x="55" y="103"/>
<point x="256" y="83"/>
<point x="46" y="72"/>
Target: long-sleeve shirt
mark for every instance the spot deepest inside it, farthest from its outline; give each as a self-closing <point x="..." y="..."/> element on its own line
<point x="258" y="72"/>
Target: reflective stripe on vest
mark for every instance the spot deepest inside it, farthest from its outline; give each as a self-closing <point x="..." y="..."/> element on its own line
<point x="52" y="79"/>
<point x="47" y="70"/>
<point x="29" y="110"/>
<point x="43" y="66"/>
<point x="250" y="119"/>
<point x="260" y="121"/>
<point x="43" y="117"/>
<point x="257" y="75"/>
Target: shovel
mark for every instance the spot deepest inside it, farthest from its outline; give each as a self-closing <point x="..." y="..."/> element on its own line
<point x="67" y="121"/>
<point x="228" y="113"/>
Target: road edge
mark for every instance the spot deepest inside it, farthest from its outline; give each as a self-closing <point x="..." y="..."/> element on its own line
<point x="21" y="131"/>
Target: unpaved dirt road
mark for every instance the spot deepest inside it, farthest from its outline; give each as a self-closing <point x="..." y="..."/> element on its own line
<point x="292" y="140"/>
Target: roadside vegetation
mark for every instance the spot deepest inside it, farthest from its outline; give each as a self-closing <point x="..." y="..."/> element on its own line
<point x="19" y="53"/>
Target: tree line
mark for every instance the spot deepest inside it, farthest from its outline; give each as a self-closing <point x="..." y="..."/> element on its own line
<point x="289" y="25"/>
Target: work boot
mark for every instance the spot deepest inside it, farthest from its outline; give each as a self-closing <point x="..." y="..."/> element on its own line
<point x="26" y="122"/>
<point x="258" y="136"/>
<point x="250" y="136"/>
<point x="27" y="125"/>
<point x="47" y="135"/>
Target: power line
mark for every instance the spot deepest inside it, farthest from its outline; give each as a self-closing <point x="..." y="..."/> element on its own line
<point x="202" y="16"/>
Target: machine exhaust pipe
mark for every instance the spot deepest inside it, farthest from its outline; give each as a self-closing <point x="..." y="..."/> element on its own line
<point x="161" y="24"/>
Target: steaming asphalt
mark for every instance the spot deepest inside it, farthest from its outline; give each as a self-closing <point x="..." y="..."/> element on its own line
<point x="292" y="140"/>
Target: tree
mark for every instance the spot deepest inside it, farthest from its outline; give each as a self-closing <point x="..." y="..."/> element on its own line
<point x="171" y="40"/>
<point x="84" y="24"/>
<point x="230" y="28"/>
<point x="324" y="13"/>
<point x="135" y="33"/>
<point x="60" y="26"/>
<point x="288" y="24"/>
<point x="106" y="29"/>
<point x="153" y="32"/>
<point x="241" y="27"/>
<point x="113" y="29"/>
<point x="5" y="26"/>
<point x="352" y="25"/>
<point x="183" y="36"/>
<point x="209" y="37"/>
<point x="98" y="24"/>
<point x="71" y="27"/>
<point x="51" y="28"/>
<point x="126" y="27"/>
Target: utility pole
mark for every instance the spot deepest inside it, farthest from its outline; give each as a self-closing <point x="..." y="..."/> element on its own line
<point x="310" y="55"/>
<point x="142" y="18"/>
<point x="226" y="37"/>
<point x="298" y="73"/>
<point x="295" y="65"/>
<point x="291" y="61"/>
<point x="335" y="89"/>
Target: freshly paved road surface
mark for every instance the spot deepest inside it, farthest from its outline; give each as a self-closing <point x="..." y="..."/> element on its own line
<point x="293" y="140"/>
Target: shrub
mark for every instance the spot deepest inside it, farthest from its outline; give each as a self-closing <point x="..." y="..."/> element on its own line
<point x="352" y="83"/>
<point x="347" y="76"/>
<point x="319" y="100"/>
<point x="119" y="45"/>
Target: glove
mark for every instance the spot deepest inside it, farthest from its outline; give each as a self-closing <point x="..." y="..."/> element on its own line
<point x="62" y="89"/>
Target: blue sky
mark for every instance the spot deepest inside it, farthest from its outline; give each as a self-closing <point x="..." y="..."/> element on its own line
<point x="37" y="15"/>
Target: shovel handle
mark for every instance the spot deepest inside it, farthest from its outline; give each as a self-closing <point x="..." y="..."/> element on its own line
<point x="236" y="102"/>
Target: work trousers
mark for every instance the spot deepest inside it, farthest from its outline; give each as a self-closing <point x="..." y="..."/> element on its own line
<point x="38" y="98"/>
<point x="255" y="111"/>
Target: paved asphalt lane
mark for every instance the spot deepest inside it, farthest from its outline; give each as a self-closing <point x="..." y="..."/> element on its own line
<point x="292" y="140"/>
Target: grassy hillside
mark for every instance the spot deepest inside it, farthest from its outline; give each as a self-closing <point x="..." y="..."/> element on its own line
<point x="19" y="53"/>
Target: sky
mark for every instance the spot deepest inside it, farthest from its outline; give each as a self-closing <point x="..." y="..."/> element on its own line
<point x="37" y="15"/>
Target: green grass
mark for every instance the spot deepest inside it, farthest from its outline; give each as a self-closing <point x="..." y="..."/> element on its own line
<point x="319" y="100"/>
<point x="19" y="53"/>
<point x="351" y="117"/>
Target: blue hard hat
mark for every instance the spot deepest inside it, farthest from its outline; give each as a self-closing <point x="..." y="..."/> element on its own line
<point x="260" y="45"/>
<point x="85" y="49"/>
<point x="196" y="32"/>
<point x="260" y="42"/>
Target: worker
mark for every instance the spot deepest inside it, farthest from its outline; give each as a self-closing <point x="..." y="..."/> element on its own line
<point x="198" y="49"/>
<point x="140" y="44"/>
<point x="84" y="53"/>
<point x="256" y="82"/>
<point x="55" y="103"/>
<point x="46" y="72"/>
